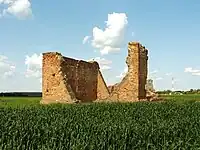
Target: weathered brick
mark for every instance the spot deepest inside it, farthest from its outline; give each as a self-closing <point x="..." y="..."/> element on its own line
<point x="66" y="80"/>
<point x="132" y="86"/>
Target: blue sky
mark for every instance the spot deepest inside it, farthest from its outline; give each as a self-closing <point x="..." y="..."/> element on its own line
<point x="168" y="29"/>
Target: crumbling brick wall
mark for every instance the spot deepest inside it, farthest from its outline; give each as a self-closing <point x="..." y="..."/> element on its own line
<point x="67" y="80"/>
<point x="54" y="87"/>
<point x="132" y="86"/>
<point x="102" y="89"/>
<point x="143" y="57"/>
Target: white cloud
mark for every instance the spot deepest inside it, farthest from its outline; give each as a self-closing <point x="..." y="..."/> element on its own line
<point x="85" y="39"/>
<point x="105" y="67"/>
<point x="154" y="75"/>
<point x="123" y="73"/>
<point x="7" y="69"/>
<point x="18" y="8"/>
<point x="158" y="78"/>
<point x="2" y="58"/>
<point x="34" y="66"/>
<point x="194" y="72"/>
<point x="191" y="70"/>
<point x="103" y="63"/>
<point x="154" y="72"/>
<point x="168" y="74"/>
<point x="176" y="80"/>
<point x="111" y="39"/>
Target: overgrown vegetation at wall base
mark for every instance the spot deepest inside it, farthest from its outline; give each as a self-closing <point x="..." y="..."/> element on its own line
<point x="143" y="125"/>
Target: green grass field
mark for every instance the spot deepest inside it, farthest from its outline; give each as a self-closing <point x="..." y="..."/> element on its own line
<point x="30" y="101"/>
<point x="172" y="124"/>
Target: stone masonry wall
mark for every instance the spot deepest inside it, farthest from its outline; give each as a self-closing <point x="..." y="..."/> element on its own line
<point x="132" y="86"/>
<point x="67" y="80"/>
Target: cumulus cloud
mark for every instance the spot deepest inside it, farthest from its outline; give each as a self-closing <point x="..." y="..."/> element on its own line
<point x="85" y="39"/>
<point x="103" y="63"/>
<point x="7" y="68"/>
<point x="123" y="73"/>
<point x="18" y="8"/>
<point x="195" y="72"/>
<point x="34" y="66"/>
<point x="112" y="37"/>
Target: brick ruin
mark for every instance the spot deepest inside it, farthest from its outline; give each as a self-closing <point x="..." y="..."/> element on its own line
<point x="132" y="86"/>
<point x="66" y="80"/>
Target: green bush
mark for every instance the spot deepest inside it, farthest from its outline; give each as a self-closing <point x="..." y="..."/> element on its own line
<point x="101" y="126"/>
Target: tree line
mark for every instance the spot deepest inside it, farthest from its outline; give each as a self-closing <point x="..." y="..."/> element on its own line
<point x="21" y="94"/>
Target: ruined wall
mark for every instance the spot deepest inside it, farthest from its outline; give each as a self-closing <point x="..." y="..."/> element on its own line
<point x="132" y="86"/>
<point x="54" y="86"/>
<point x="142" y="71"/>
<point x="82" y="77"/>
<point x="102" y="89"/>
<point x="111" y="88"/>
<point x="67" y="80"/>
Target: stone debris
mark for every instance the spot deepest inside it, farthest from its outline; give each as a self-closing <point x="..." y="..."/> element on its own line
<point x="150" y="91"/>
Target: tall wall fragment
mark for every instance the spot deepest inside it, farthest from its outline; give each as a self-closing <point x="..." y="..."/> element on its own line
<point x="102" y="89"/>
<point x="132" y="86"/>
<point x="66" y="80"/>
<point x="54" y="87"/>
